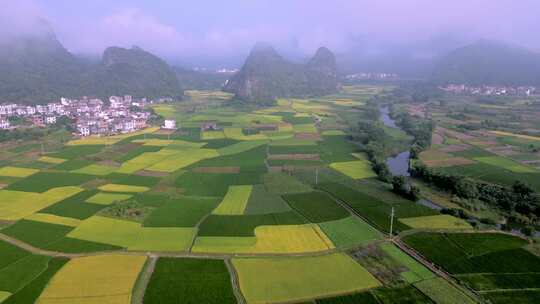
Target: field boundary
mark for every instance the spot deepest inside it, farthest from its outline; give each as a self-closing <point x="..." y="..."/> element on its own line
<point x="235" y="282"/>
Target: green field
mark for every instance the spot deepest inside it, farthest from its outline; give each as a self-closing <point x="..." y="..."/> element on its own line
<point x="316" y="206"/>
<point x="189" y="281"/>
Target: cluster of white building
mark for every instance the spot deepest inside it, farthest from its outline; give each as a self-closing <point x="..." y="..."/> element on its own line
<point x="372" y="76"/>
<point x="90" y="115"/>
<point x="489" y="90"/>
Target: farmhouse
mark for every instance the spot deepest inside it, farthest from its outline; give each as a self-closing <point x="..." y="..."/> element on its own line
<point x="169" y="124"/>
<point x="209" y="126"/>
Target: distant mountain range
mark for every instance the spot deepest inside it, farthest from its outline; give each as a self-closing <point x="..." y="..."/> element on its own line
<point x="489" y="63"/>
<point x="266" y="75"/>
<point x="36" y="68"/>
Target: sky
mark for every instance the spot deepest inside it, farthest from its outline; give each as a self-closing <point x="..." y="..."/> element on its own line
<point x="177" y="29"/>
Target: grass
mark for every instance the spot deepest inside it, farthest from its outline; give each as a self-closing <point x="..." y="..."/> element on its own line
<point x="350" y="232"/>
<point x="264" y="202"/>
<point x="72" y="164"/>
<point x="18" y="274"/>
<point x="104" y="279"/>
<point x="17" y="172"/>
<point x="182" y="212"/>
<point x="53" y="219"/>
<point x="517" y="296"/>
<point x="71" y="152"/>
<point x="37" y="234"/>
<point x="196" y="184"/>
<point x="132" y="235"/>
<point x="280" y="183"/>
<point x="123" y="188"/>
<point x="442" y="221"/>
<point x="401" y="295"/>
<point x="461" y="253"/>
<point x="31" y="291"/>
<point x="487" y="281"/>
<point x="416" y="271"/>
<point x="505" y="163"/>
<point x="316" y="206"/>
<point x="74" y="207"/>
<point x="305" y="128"/>
<point x="240" y="147"/>
<point x="269" y="280"/>
<point x="357" y="169"/>
<point x="357" y="298"/>
<point x="108" y="198"/>
<point x="189" y="281"/>
<point x="442" y="292"/>
<point x="15" y="205"/>
<point x="234" y="202"/>
<point x="43" y="181"/>
<point x="10" y="254"/>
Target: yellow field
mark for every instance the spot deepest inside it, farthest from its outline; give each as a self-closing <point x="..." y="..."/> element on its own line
<point x="235" y="201"/>
<point x="357" y="169"/>
<point x="15" y="205"/>
<point x="282" y="239"/>
<point x="515" y="135"/>
<point x="132" y="235"/>
<point x="51" y="160"/>
<point x="145" y="160"/>
<point x="182" y="159"/>
<point x="108" y="140"/>
<point x="4" y="295"/>
<point x="100" y="279"/>
<point x="123" y="188"/>
<point x="54" y="219"/>
<point x="108" y="198"/>
<point x="17" y="172"/>
<point x="442" y="221"/>
<point x="300" y="279"/>
<point x="96" y="170"/>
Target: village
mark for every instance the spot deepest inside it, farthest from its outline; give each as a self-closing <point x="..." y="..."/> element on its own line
<point x="90" y="116"/>
<point x="489" y="90"/>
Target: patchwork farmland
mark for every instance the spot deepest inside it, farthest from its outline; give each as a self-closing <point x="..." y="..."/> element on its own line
<point x="270" y="205"/>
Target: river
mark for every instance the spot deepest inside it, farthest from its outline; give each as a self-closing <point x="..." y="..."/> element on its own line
<point x="398" y="164"/>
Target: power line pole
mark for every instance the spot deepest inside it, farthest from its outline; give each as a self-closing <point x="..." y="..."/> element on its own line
<point x="316" y="176"/>
<point x="391" y="221"/>
<point x="42" y="149"/>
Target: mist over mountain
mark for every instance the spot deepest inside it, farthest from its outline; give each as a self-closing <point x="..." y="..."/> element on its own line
<point x="36" y="68"/>
<point x="266" y="75"/>
<point x="489" y="63"/>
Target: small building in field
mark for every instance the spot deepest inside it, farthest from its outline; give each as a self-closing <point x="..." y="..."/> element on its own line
<point x="4" y="124"/>
<point x="169" y="124"/>
<point x="209" y="126"/>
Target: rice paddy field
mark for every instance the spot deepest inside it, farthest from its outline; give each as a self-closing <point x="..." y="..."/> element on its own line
<point x="270" y="206"/>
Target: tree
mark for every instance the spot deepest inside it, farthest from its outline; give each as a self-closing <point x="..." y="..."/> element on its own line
<point x="466" y="188"/>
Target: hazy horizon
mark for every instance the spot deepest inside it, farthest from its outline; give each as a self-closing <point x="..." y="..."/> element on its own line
<point x="209" y="31"/>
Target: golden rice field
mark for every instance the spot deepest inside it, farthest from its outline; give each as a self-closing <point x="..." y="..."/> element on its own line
<point x="123" y="188"/>
<point x="108" y="198"/>
<point x="54" y="219"/>
<point x="94" y="279"/>
<point x="295" y="279"/>
<point x="17" y="172"/>
<point x="442" y="221"/>
<point x="278" y="239"/>
<point x="235" y="201"/>
<point x="132" y="235"/>
<point x="15" y="205"/>
<point x="357" y="169"/>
